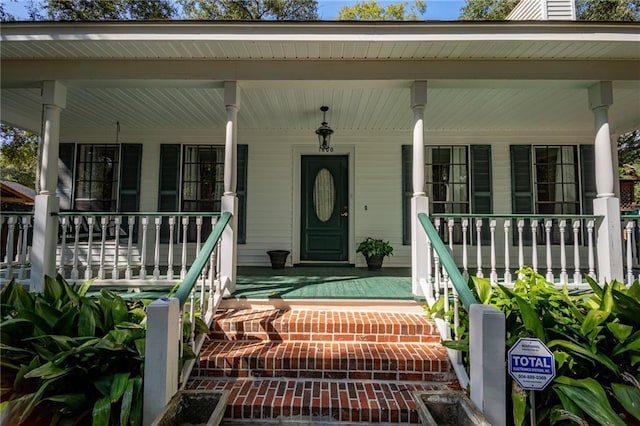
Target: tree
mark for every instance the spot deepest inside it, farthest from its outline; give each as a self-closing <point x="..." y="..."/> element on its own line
<point x="487" y="10"/>
<point x="279" y="10"/>
<point x="371" y="11"/>
<point x="18" y="155"/>
<point x="102" y="10"/>
<point x="608" y="10"/>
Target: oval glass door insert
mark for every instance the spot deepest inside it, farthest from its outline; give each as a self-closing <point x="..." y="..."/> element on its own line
<point x="324" y="195"/>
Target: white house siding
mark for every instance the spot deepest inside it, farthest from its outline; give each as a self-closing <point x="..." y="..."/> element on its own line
<point x="271" y="201"/>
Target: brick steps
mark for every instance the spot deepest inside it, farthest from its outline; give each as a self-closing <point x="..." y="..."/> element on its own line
<point x="317" y="367"/>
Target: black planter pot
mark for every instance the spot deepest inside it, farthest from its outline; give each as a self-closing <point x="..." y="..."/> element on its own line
<point x="374" y="263"/>
<point x="278" y="258"/>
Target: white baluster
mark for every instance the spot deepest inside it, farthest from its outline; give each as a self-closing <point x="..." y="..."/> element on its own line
<point x="450" y="229"/>
<point x="437" y="225"/>
<point x="9" y="257"/>
<point x="115" y="274"/>
<point x="592" y="268"/>
<point x="77" y="220"/>
<point x="577" y="276"/>
<point x="192" y="317"/>
<point x="520" y="243"/>
<point x="172" y="224"/>
<point x="103" y="243"/>
<point x="547" y="227"/>
<point x="63" y="249"/>
<point x="212" y="282"/>
<point x="534" y="245"/>
<point x="203" y="289"/>
<point x="629" y="230"/>
<point x="564" y="278"/>
<point x="156" y="255"/>
<point x="445" y="282"/>
<point x="479" y="247"/>
<point x="430" y="280"/>
<point x="185" y="226"/>
<point x="143" y="255"/>
<point x="198" y="234"/>
<point x="494" y="274"/>
<point x="465" y="254"/>
<point x="91" y="220"/>
<point x="26" y="223"/>
<point x="436" y="267"/>
<point x="507" y="272"/>
<point x="128" y="272"/>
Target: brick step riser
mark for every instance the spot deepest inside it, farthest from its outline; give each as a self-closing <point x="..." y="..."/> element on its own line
<point x="322" y="337"/>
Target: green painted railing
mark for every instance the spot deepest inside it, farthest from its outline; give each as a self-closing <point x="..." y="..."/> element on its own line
<point x="447" y="262"/>
<point x="183" y="292"/>
<point x="137" y="214"/>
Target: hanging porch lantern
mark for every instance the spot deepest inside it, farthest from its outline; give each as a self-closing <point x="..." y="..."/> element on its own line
<point x="324" y="132"/>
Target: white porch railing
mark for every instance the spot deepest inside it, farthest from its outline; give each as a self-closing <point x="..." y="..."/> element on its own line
<point x="201" y="291"/>
<point x="631" y="247"/>
<point x="130" y="246"/>
<point x="561" y="247"/>
<point x="15" y="245"/>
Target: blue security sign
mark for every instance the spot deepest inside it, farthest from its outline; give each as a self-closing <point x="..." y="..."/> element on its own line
<point x="531" y="364"/>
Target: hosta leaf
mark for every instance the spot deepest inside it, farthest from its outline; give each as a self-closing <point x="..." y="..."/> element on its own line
<point x="634" y="291"/>
<point x="75" y="401"/>
<point x="594" y="285"/>
<point x="628" y="397"/>
<point x="53" y="289"/>
<point x="84" y="287"/>
<point x="483" y="288"/>
<point x="519" y="400"/>
<point x="6" y="294"/>
<point x="530" y="318"/>
<point x="118" y="386"/>
<point x="119" y="310"/>
<point x="101" y="412"/>
<point x="65" y="322"/>
<point x="103" y="385"/>
<point x="590" y="397"/>
<point x="47" y="371"/>
<point x="619" y="331"/>
<point x="127" y="399"/>
<point x="593" y="319"/>
<point x="140" y="346"/>
<point x="606" y="304"/>
<point x="16" y="328"/>
<point x="628" y="307"/>
<point x="136" y="408"/>
<point x="584" y="353"/>
<point x="632" y="343"/>
<point x="86" y="320"/>
<point x="48" y="313"/>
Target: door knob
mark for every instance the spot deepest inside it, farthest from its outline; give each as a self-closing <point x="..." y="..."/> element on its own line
<point x="345" y="212"/>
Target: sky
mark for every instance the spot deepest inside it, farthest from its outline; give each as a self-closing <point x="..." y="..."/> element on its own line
<point x="437" y="10"/>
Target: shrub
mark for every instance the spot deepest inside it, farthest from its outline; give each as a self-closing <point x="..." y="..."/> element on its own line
<point x="70" y="359"/>
<point x="594" y="335"/>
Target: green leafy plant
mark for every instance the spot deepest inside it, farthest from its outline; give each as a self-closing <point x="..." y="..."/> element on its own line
<point x="70" y="359"/>
<point x="595" y="338"/>
<point x="374" y="247"/>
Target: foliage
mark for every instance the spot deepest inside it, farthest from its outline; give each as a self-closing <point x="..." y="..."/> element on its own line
<point x="374" y="247"/>
<point x="595" y="338"/>
<point x="487" y="10"/>
<point x="629" y="148"/>
<point x="586" y="10"/>
<point x="295" y="10"/>
<point x="101" y="10"/>
<point x="608" y="10"/>
<point x="18" y="155"/>
<point x="370" y="10"/>
<point x="67" y="358"/>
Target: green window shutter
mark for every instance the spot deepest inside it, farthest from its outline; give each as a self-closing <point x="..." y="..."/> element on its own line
<point x="407" y="192"/>
<point x="588" y="177"/>
<point x="66" y="166"/>
<point x="481" y="183"/>
<point x="521" y="180"/>
<point x="131" y="161"/>
<point x="241" y="191"/>
<point x="168" y="195"/>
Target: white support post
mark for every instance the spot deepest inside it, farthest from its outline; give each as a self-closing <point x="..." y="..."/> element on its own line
<point x="162" y="355"/>
<point x="487" y="355"/>
<point x="46" y="204"/>
<point x="606" y="204"/>
<point x="419" y="201"/>
<point x="229" y="240"/>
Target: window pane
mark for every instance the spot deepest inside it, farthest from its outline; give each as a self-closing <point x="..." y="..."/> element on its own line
<point x="97" y="177"/>
<point x="446" y="176"/>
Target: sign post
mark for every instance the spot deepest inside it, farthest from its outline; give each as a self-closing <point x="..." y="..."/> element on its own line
<point x="533" y="366"/>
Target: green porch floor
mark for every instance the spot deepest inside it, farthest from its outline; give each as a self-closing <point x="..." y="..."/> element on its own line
<point x="323" y="282"/>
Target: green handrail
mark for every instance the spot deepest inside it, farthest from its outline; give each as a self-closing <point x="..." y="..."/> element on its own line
<point x="168" y="214"/>
<point x="464" y="293"/>
<point x="183" y="292"/>
<point x="514" y="216"/>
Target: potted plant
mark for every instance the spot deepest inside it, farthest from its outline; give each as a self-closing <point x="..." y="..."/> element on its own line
<point x="374" y="250"/>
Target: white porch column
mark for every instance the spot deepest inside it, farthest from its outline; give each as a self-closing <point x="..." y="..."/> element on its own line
<point x="419" y="201"/>
<point x="608" y="237"/>
<point x="228" y="254"/>
<point x="45" y="226"/>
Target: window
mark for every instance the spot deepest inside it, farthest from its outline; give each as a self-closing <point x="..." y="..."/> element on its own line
<point x="192" y="180"/>
<point x="556" y="180"/>
<point x="457" y="180"/>
<point x="97" y="178"/>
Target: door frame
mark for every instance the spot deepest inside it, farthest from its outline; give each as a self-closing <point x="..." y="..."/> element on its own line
<point x="298" y="152"/>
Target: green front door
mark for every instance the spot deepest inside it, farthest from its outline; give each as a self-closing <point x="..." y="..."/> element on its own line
<point x="325" y="200"/>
